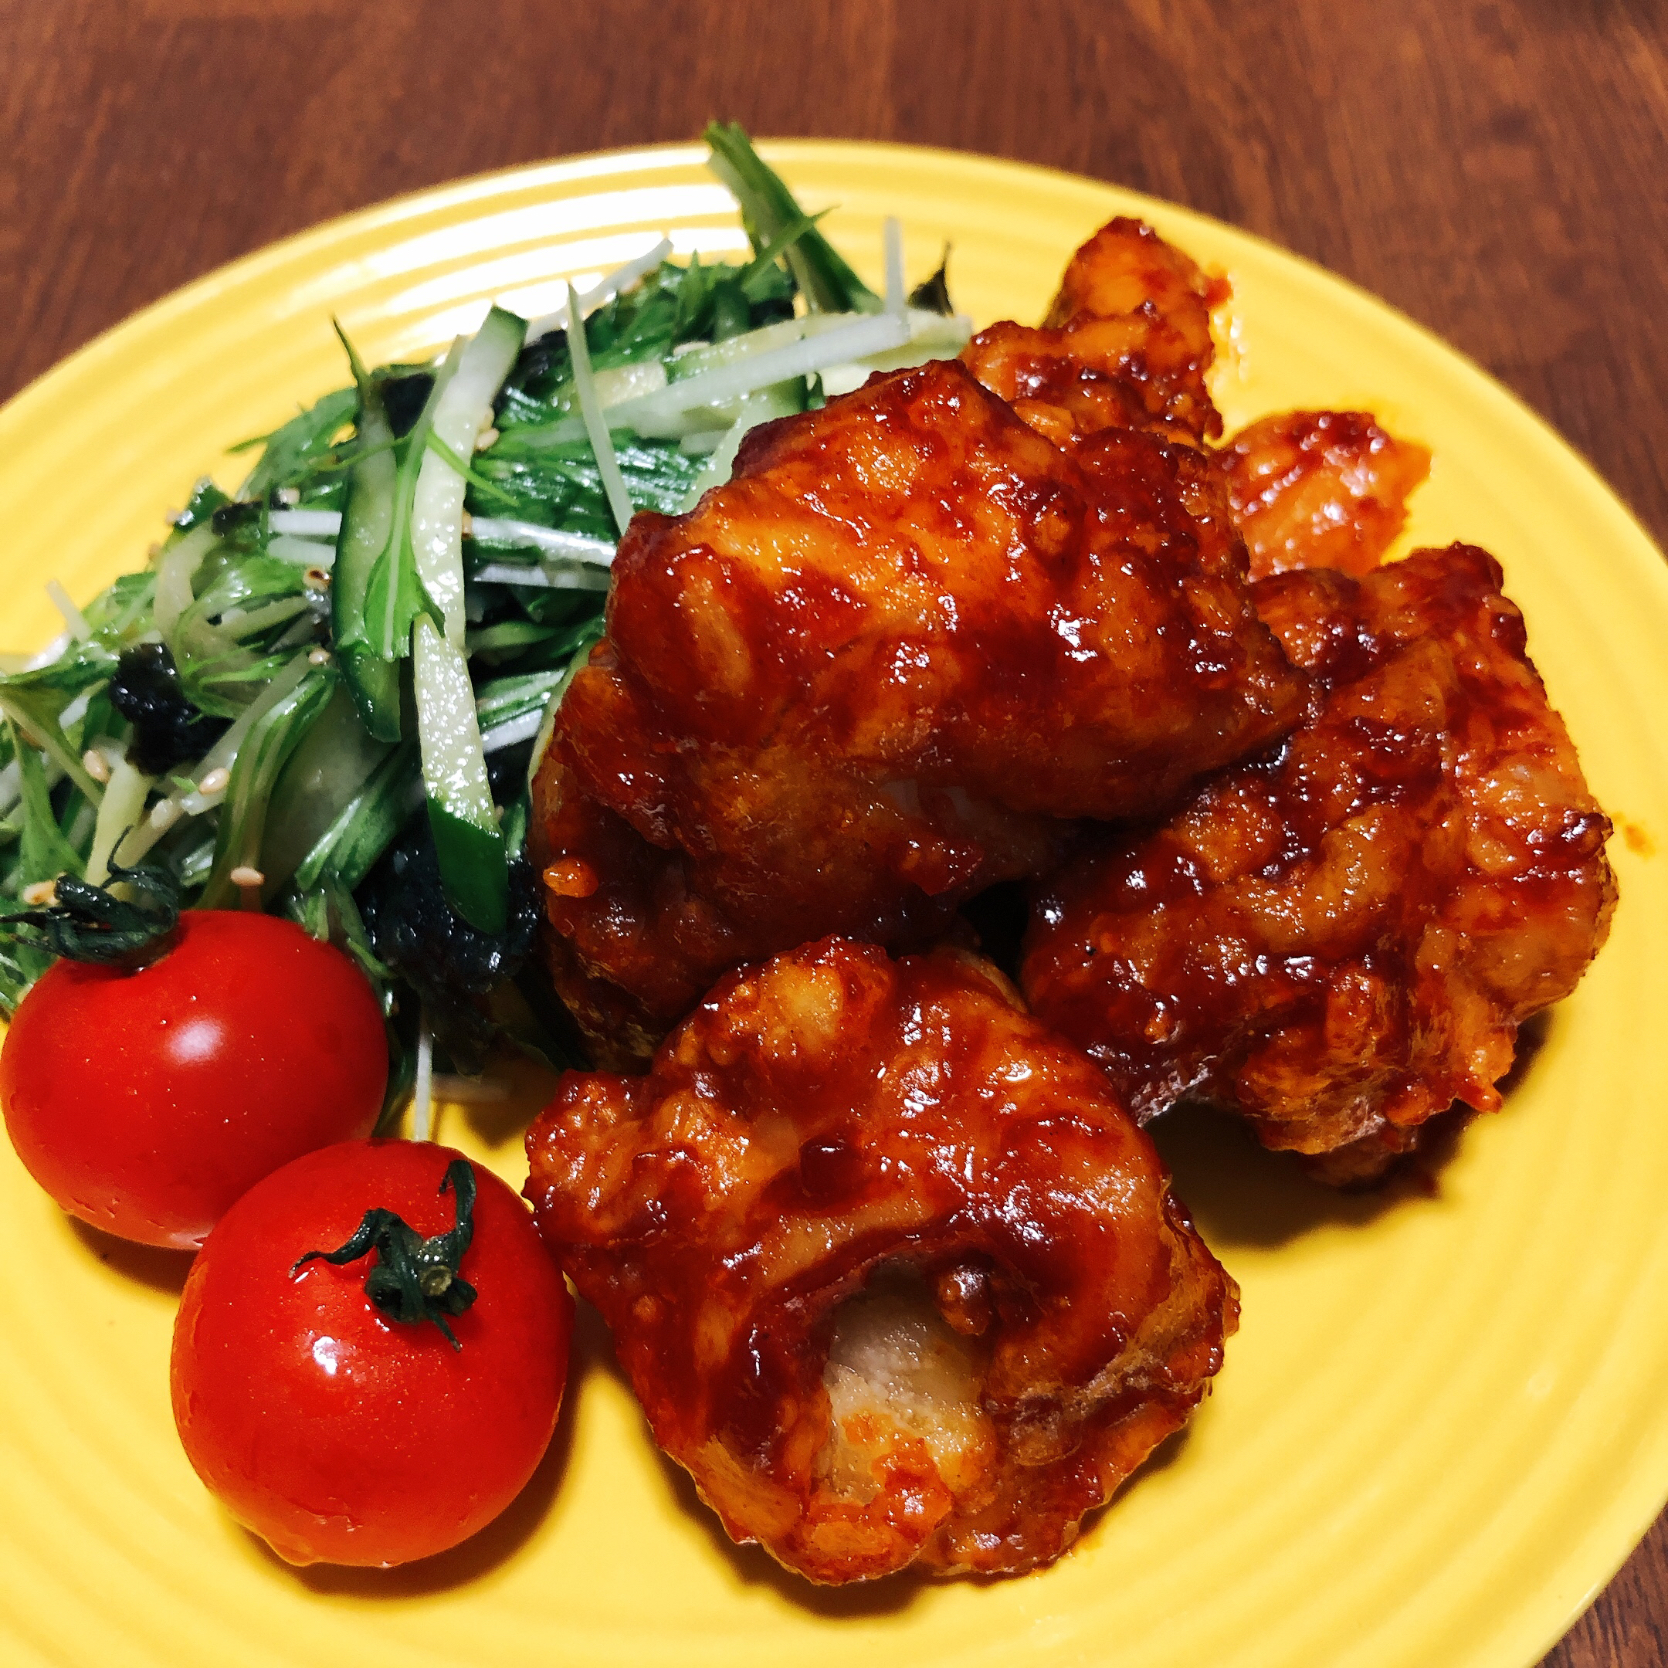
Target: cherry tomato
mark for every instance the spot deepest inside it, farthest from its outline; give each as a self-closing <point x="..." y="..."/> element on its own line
<point x="337" y="1432"/>
<point x="147" y="1102"/>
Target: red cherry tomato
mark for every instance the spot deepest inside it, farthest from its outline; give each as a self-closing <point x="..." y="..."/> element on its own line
<point x="147" y="1102"/>
<point x="341" y="1434"/>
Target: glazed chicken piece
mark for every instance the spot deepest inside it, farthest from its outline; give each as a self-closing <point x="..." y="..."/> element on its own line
<point x="1340" y="938"/>
<point x="1320" y="489"/>
<point x="875" y="673"/>
<point x="895" y="1277"/>
<point x="1126" y="344"/>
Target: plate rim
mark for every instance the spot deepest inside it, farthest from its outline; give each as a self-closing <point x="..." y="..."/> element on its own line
<point x="1627" y="1507"/>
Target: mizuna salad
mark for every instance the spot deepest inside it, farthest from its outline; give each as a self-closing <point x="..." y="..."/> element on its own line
<point x="384" y="615"/>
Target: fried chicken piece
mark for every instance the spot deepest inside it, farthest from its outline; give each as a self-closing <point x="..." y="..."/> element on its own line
<point x="895" y="1277"/>
<point x="1126" y="344"/>
<point x="1340" y="939"/>
<point x="876" y="673"/>
<point x="1320" y="489"/>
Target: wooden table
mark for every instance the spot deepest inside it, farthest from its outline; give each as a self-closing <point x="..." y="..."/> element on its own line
<point x="1496" y="170"/>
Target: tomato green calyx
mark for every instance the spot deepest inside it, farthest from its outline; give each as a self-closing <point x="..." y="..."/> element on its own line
<point x="91" y="923"/>
<point x="415" y="1279"/>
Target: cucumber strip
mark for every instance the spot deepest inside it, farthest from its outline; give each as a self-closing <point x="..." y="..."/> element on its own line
<point x="326" y="773"/>
<point x="394" y="593"/>
<point x="350" y="847"/>
<point x="464" y="411"/>
<point x="367" y="525"/>
<point x="781" y="401"/>
<point x="461" y="813"/>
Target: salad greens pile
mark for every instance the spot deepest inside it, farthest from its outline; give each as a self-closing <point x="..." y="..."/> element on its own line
<point x="384" y="617"/>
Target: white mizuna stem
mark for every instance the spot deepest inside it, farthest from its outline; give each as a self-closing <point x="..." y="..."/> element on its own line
<point x="544" y="578"/>
<point x="306" y="553"/>
<point x="596" y="426"/>
<point x="893" y="235"/>
<point x="123" y="806"/>
<point x="463" y="412"/>
<point x="621" y="278"/>
<point x="579" y="546"/>
<point x="508" y="734"/>
<point x="73" y="617"/>
<point x="872" y="333"/>
<point x="75" y="710"/>
<point x="422" y="1096"/>
<point x="174" y="574"/>
<point x="317" y="524"/>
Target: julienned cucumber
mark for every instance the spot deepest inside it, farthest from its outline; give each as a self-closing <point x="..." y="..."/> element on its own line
<point x="466" y="835"/>
<point x="463" y="412"/>
<point x="367" y="523"/>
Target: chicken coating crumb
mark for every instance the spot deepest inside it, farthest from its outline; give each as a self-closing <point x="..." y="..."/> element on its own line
<point x="1340" y="939"/>
<point x="895" y="1277"/>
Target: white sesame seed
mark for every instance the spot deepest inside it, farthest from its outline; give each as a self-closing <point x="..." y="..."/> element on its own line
<point x="216" y="781"/>
<point x="288" y="495"/>
<point x="244" y="875"/>
<point x="318" y="657"/>
<point x="316" y="579"/>
<point x="468" y="524"/>
<point x="165" y="813"/>
<point x="485" y="438"/>
<point x="42" y="895"/>
<point x="96" y="765"/>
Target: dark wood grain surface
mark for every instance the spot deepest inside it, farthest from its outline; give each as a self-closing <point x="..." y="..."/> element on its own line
<point x="1496" y="170"/>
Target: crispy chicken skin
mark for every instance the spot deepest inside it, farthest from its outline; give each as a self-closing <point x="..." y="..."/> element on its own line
<point x="893" y="1274"/>
<point x="1126" y="344"/>
<point x="1340" y="938"/>
<point x="1320" y="489"/>
<point x="877" y="672"/>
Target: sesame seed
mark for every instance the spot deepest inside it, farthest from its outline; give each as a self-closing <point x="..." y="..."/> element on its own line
<point x="315" y="579"/>
<point x="485" y="438"/>
<point x="468" y="524"/>
<point x="318" y="657"/>
<point x="165" y="813"/>
<point x="42" y="895"/>
<point x="288" y="495"/>
<point x="216" y="781"/>
<point x="96" y="765"/>
<point x="244" y="875"/>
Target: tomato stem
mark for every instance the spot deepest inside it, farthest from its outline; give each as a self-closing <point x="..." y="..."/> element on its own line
<point x="91" y="923"/>
<point x="414" y="1279"/>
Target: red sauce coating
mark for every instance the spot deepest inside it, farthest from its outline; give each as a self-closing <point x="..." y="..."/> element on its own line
<point x="878" y="671"/>
<point x="1340" y="938"/>
<point x="833" y="1120"/>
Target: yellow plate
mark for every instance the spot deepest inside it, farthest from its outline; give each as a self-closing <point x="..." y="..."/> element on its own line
<point x="1443" y="1423"/>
